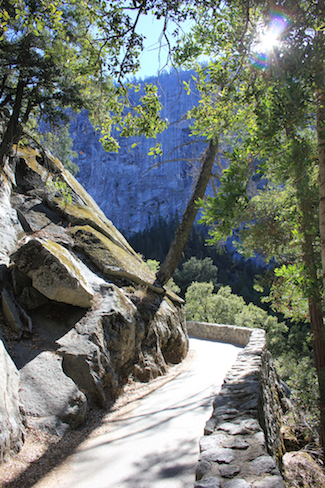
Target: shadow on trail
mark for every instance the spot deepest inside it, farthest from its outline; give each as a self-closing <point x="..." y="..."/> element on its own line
<point x="55" y="454"/>
<point x="166" y="465"/>
<point x="137" y="425"/>
<point x="58" y="451"/>
<point x="168" y="458"/>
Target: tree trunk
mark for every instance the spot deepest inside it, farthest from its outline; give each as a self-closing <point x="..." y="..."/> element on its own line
<point x="321" y="162"/>
<point x="314" y="289"/>
<point x="317" y="329"/>
<point x="177" y="246"/>
<point x="12" y="132"/>
<point x="318" y="333"/>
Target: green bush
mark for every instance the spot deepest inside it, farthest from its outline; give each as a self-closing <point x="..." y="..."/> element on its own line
<point x="224" y="307"/>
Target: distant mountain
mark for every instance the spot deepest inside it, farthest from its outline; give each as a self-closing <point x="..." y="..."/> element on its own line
<point x="132" y="188"/>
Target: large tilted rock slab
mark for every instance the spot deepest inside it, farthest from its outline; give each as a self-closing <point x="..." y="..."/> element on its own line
<point x="114" y="340"/>
<point x="49" y="396"/>
<point x="33" y="177"/>
<point x="112" y="259"/>
<point x="11" y="419"/>
<point x="54" y="272"/>
<point x="93" y="232"/>
<point x="10" y="228"/>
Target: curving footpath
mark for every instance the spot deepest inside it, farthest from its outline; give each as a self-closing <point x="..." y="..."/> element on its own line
<point x="156" y="444"/>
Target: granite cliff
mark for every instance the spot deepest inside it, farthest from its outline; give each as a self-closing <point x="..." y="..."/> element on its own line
<point x="80" y="311"/>
<point x="132" y="188"/>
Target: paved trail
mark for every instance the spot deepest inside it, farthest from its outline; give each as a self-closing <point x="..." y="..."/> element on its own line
<point x="155" y="444"/>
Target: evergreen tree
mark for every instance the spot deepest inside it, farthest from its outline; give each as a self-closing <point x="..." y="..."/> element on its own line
<point x="238" y="273"/>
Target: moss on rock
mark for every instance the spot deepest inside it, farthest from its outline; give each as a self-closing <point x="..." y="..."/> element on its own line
<point x="111" y="259"/>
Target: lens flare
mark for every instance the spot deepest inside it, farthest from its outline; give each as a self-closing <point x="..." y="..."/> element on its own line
<point x="269" y="38"/>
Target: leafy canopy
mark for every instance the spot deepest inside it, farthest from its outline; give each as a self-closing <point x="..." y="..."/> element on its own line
<point x="76" y="54"/>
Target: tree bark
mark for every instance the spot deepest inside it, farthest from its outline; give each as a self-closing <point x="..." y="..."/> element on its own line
<point x="12" y="132"/>
<point x="318" y="334"/>
<point x="182" y="232"/>
<point x="316" y="320"/>
<point x="314" y="289"/>
<point x="317" y="329"/>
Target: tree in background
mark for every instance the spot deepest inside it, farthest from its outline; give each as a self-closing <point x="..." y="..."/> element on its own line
<point x="153" y="243"/>
<point x="59" y="142"/>
<point x="225" y="307"/>
<point x="200" y="270"/>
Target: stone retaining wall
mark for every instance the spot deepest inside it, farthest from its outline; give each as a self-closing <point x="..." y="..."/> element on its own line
<point x="219" y="332"/>
<point x="242" y="445"/>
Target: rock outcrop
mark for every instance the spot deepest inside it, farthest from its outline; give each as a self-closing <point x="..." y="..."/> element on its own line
<point x="80" y="309"/>
<point x="11" y="421"/>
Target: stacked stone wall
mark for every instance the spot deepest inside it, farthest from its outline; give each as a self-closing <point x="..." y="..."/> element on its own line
<point x="242" y="445"/>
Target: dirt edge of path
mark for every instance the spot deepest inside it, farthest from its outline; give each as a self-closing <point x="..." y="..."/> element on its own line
<point x="43" y="453"/>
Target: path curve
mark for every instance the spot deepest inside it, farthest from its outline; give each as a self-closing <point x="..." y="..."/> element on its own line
<point x="155" y="443"/>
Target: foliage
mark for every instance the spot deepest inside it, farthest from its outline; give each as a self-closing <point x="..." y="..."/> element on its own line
<point x="225" y="307"/>
<point x="269" y="113"/>
<point x="61" y="188"/>
<point x="59" y="142"/>
<point x="131" y="121"/>
<point x="66" y="54"/>
<point x="276" y="113"/>
<point x="200" y="270"/>
<point x="153" y="242"/>
<point x="153" y="265"/>
<point x="199" y="306"/>
<point x="270" y="226"/>
<point x="300" y="375"/>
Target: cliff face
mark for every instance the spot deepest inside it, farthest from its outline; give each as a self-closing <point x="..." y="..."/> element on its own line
<point x="132" y="188"/>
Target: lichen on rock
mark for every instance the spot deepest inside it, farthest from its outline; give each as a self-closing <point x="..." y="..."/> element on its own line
<point x="54" y="272"/>
<point x="111" y="259"/>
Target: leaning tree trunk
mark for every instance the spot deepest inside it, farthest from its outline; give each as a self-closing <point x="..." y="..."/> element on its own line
<point x="12" y="131"/>
<point x="319" y="333"/>
<point x="176" y="248"/>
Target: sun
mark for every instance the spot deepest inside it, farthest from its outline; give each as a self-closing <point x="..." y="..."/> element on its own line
<point x="268" y="40"/>
<point x="269" y="37"/>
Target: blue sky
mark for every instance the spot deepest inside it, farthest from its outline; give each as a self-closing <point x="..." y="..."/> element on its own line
<point x="154" y="56"/>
